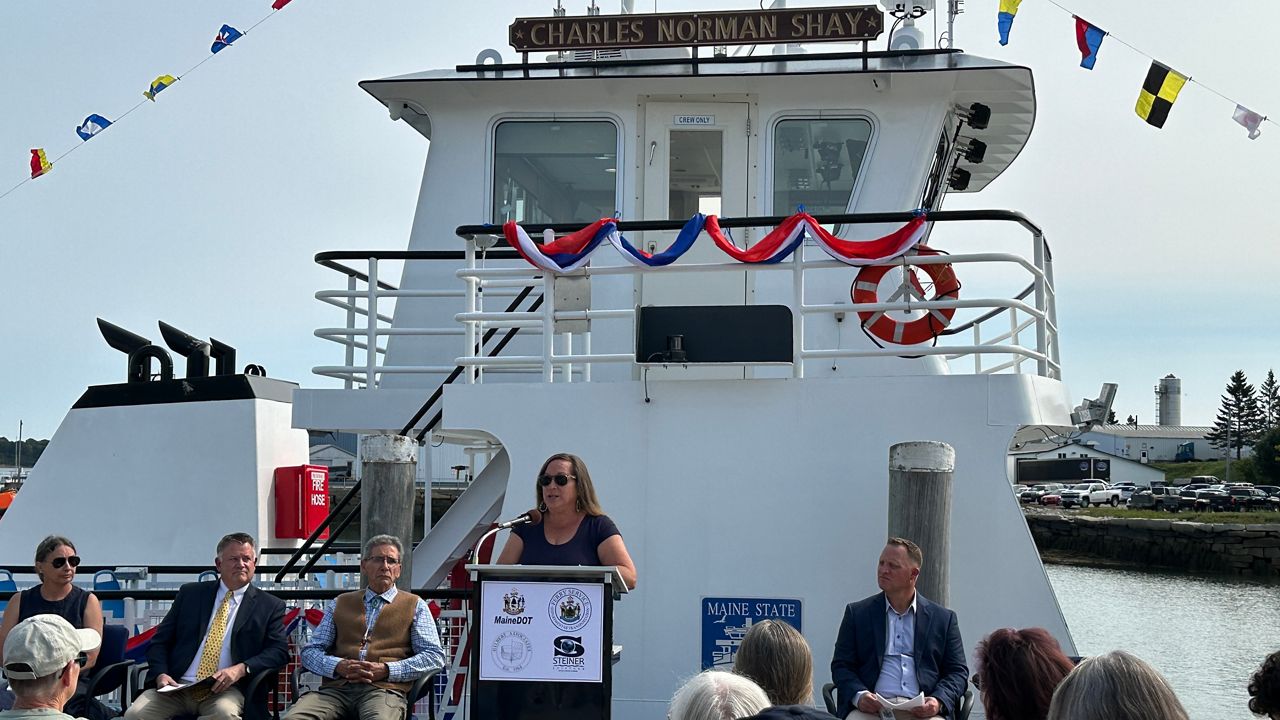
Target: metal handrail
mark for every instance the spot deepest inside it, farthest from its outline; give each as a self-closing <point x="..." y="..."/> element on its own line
<point x="431" y="424"/>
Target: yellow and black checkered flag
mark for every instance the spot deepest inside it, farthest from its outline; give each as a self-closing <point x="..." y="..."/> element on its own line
<point x="1159" y="91"/>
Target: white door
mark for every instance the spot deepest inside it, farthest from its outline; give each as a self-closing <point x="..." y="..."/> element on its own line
<point x="695" y="158"/>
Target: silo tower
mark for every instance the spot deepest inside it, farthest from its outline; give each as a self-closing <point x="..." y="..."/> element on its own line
<point x="1169" y="400"/>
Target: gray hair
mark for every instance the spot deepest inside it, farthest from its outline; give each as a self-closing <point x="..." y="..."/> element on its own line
<point x="41" y="689"/>
<point x="377" y="540"/>
<point x="1115" y="686"/>
<point x="717" y="695"/>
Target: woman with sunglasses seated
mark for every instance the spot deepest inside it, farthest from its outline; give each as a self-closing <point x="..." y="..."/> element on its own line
<point x="573" y="529"/>
<point x="56" y="563"/>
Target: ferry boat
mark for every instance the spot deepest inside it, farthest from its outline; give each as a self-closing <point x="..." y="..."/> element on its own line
<point x="736" y="416"/>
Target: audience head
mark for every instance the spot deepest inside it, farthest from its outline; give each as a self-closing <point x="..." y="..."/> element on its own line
<point x="777" y="657"/>
<point x="1264" y="688"/>
<point x="56" y="559"/>
<point x="1018" y="671"/>
<point x="717" y="695"/>
<point x="899" y="566"/>
<point x="579" y="483"/>
<point x="381" y="561"/>
<point x="42" y="659"/>
<point x="236" y="560"/>
<point x="1115" y="686"/>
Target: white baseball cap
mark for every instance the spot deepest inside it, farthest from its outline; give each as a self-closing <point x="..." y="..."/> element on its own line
<point x="42" y="645"/>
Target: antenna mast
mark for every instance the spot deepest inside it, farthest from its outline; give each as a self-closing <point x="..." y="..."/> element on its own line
<point x="954" y="8"/>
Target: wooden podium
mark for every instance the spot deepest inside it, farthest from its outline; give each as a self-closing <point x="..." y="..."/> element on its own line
<point x="542" y="641"/>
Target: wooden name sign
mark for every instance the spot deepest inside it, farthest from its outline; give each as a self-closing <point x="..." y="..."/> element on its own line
<point x="744" y="27"/>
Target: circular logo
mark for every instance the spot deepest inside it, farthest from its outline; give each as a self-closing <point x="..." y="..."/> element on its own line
<point x="512" y="651"/>
<point x="1102" y="464"/>
<point x="569" y="609"/>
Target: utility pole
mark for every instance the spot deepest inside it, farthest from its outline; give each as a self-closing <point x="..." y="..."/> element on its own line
<point x="1228" y="450"/>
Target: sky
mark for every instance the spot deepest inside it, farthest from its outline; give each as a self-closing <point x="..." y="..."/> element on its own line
<point x="205" y="208"/>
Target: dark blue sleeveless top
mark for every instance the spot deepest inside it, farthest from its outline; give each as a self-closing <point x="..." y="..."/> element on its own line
<point x="71" y="607"/>
<point x="582" y="548"/>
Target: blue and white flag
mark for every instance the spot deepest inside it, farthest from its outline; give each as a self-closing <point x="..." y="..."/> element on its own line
<point x="91" y="126"/>
<point x="226" y="36"/>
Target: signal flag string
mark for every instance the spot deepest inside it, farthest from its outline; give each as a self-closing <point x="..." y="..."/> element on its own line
<point x="156" y="87"/>
<point x="1244" y="116"/>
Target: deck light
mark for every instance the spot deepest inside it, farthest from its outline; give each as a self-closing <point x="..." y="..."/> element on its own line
<point x="977" y="115"/>
<point x="959" y="179"/>
<point x="973" y="150"/>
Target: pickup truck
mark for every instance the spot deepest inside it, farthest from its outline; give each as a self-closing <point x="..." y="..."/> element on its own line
<point x="1090" y="493"/>
<point x="1156" y="498"/>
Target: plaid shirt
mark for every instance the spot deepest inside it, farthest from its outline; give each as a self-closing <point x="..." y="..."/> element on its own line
<point x="424" y="640"/>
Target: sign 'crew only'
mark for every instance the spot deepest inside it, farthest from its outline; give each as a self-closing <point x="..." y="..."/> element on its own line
<point x="852" y="23"/>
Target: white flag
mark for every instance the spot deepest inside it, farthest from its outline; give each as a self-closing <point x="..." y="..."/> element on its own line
<point x="1249" y="119"/>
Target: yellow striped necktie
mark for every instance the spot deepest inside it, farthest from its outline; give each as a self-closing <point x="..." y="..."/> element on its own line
<point x="213" y="641"/>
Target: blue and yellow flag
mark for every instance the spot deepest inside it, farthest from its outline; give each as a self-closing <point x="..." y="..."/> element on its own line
<point x="159" y="84"/>
<point x="1004" y="21"/>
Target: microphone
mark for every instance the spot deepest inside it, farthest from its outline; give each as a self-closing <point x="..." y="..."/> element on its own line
<point x="532" y="517"/>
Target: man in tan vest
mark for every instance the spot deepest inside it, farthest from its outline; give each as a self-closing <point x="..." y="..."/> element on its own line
<point x="371" y="645"/>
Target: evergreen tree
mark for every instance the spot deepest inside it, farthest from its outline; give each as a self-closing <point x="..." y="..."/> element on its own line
<point x="1269" y="401"/>
<point x="1266" y="455"/>
<point x="1239" y="421"/>
<point x="1111" y="418"/>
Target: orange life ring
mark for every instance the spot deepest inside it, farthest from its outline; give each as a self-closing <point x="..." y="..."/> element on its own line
<point x="912" y="332"/>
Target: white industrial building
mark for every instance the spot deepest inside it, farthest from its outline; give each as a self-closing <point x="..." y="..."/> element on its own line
<point x="1153" y="442"/>
<point x="1122" y="469"/>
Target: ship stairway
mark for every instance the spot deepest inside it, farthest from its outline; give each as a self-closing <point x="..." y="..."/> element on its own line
<point x="471" y="515"/>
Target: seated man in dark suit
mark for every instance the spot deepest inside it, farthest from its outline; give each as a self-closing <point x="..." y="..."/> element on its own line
<point x="217" y="634"/>
<point x="896" y="644"/>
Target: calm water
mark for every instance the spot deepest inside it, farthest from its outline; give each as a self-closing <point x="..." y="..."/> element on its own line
<point x="1207" y="636"/>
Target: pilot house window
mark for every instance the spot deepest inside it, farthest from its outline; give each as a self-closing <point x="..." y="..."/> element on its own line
<point x="555" y="171"/>
<point x="816" y="163"/>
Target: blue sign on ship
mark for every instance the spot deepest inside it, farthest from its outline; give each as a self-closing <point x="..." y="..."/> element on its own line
<point x="726" y="620"/>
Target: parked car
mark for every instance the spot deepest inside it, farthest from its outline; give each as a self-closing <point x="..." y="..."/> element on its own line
<point x="1205" y="480"/>
<point x="1127" y="489"/>
<point x="1212" y="500"/>
<point x="1156" y="498"/>
<point x="1035" y="492"/>
<point x="1246" y="498"/>
<point x="1272" y="490"/>
<point x="1053" y="497"/>
<point x="1090" y="493"/>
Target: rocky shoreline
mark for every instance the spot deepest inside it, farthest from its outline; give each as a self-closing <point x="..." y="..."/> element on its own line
<point x="1217" y="548"/>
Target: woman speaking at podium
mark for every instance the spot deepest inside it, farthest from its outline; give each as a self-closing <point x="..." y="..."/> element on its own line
<point x="573" y="529"/>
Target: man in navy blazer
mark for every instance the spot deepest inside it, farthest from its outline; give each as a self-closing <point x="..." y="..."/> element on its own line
<point x="897" y="644"/>
<point x="253" y="642"/>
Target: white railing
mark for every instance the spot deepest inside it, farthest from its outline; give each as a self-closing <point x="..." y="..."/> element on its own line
<point x="1015" y="334"/>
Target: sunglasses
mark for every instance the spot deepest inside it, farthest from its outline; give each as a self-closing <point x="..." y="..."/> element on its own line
<point x="61" y="562"/>
<point x="560" y="480"/>
<point x="82" y="659"/>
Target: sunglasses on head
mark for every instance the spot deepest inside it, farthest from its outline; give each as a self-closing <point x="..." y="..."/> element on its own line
<point x="560" y="480"/>
<point x="61" y="562"/>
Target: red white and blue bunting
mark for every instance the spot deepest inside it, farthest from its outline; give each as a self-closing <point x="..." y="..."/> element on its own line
<point x="570" y="252"/>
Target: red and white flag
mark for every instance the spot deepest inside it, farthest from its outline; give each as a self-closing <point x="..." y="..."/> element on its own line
<point x="1249" y="119"/>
